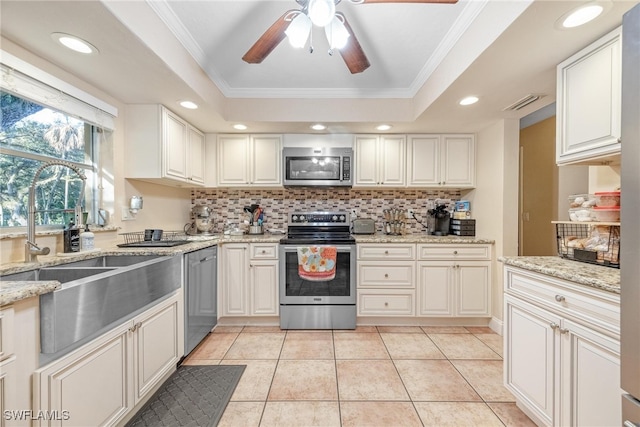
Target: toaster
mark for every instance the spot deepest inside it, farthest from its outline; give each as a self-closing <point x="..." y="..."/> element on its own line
<point x="364" y="226"/>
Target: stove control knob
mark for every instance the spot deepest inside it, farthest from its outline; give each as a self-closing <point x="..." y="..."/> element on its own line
<point x="334" y="218"/>
<point x="301" y="218"/>
<point x="341" y="218"/>
<point x="294" y="218"/>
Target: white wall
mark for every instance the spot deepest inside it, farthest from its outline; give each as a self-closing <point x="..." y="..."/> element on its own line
<point x="495" y="198"/>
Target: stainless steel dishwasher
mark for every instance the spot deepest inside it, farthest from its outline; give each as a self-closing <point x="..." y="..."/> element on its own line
<point x="200" y="311"/>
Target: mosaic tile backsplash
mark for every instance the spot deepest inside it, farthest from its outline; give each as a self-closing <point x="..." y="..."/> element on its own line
<point x="228" y="203"/>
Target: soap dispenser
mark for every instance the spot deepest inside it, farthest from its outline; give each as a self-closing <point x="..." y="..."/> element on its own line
<point x="86" y="239"/>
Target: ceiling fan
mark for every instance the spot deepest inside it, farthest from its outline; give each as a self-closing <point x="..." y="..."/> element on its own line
<point x="296" y="25"/>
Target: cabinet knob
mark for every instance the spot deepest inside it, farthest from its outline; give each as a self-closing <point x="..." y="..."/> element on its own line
<point x="264" y="252"/>
<point x="554" y="326"/>
<point x="455" y="252"/>
<point x="564" y="331"/>
<point x="560" y="298"/>
<point x="386" y="304"/>
<point x="386" y="275"/>
<point x="386" y="252"/>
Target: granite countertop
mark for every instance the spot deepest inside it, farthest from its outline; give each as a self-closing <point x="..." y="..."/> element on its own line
<point x="596" y="276"/>
<point x="420" y="238"/>
<point x="12" y="291"/>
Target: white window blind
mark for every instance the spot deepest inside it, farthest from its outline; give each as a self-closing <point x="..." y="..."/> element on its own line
<point x="30" y="82"/>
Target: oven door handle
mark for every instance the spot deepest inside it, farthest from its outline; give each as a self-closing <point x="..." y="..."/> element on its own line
<point x="294" y="248"/>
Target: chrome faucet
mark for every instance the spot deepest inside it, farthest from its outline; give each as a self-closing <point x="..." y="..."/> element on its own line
<point x="31" y="250"/>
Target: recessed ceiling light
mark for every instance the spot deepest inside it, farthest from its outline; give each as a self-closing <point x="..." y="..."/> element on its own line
<point x="74" y="43"/>
<point x="383" y="127"/>
<point x="582" y="14"/>
<point x="240" y="126"/>
<point x="318" y="126"/>
<point x="469" y="100"/>
<point x="188" y="104"/>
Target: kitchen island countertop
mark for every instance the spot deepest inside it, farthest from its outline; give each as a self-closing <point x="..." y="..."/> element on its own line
<point x="596" y="276"/>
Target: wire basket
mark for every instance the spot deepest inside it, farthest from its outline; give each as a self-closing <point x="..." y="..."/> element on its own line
<point x="589" y="242"/>
<point x="139" y="236"/>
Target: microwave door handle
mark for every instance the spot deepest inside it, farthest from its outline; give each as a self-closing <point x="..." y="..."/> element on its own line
<point x="341" y="168"/>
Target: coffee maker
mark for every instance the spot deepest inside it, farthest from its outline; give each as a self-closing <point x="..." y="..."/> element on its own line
<point x="439" y="220"/>
<point x="203" y="223"/>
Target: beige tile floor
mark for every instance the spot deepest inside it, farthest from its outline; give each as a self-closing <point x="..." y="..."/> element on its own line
<point x="373" y="376"/>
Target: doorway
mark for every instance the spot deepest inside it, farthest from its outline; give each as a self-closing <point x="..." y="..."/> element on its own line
<point x="538" y="189"/>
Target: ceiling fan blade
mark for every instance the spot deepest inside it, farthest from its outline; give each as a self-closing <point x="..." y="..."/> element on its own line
<point x="352" y="53"/>
<point x="268" y="41"/>
<point x="410" y="1"/>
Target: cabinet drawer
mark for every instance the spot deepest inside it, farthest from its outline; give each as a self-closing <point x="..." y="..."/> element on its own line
<point x="444" y="251"/>
<point x="386" y="251"/>
<point x="591" y="305"/>
<point x="385" y="274"/>
<point x="264" y="251"/>
<point x="6" y="332"/>
<point x="385" y="303"/>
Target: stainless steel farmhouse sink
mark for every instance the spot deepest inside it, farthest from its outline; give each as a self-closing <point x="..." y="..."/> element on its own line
<point x="97" y="293"/>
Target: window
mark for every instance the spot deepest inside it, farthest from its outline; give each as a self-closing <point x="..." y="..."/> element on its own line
<point x="30" y="135"/>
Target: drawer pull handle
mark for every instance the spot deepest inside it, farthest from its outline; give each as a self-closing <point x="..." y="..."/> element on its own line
<point x="564" y="331"/>
<point x="554" y="326"/>
<point x="560" y="298"/>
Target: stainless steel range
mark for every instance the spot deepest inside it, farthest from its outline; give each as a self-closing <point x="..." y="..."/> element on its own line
<point x="318" y="272"/>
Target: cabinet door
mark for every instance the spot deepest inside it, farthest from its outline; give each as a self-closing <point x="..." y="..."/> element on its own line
<point x="175" y="145"/>
<point x="157" y="348"/>
<point x="7" y="391"/>
<point x="423" y="161"/>
<point x="235" y="267"/>
<point x="264" y="288"/>
<point x="392" y="161"/>
<point x="591" y="377"/>
<point x="473" y="288"/>
<point x="366" y="152"/>
<point x="435" y="288"/>
<point x="94" y="389"/>
<point x="589" y="102"/>
<point x="458" y="161"/>
<point x="532" y="358"/>
<point x="266" y="160"/>
<point x="197" y="156"/>
<point x="233" y="160"/>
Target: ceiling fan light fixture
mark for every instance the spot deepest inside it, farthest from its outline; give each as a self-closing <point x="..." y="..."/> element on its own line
<point x="321" y="12"/>
<point x="298" y="30"/>
<point x="336" y="33"/>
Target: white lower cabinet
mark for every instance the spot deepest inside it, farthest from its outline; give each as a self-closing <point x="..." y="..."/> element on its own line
<point x="561" y="364"/>
<point x="103" y="381"/>
<point x="249" y="279"/>
<point x="386" y="279"/>
<point x="454" y="280"/>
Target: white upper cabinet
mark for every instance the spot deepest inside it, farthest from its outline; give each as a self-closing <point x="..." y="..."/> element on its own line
<point x="589" y="103"/>
<point x="441" y="161"/>
<point x="380" y="160"/>
<point x="249" y="160"/>
<point x="162" y="147"/>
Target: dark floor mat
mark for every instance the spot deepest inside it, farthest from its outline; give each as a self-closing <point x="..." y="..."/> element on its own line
<point x="192" y="396"/>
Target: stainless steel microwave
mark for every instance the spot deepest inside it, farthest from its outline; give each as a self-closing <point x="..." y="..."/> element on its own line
<point x="317" y="167"/>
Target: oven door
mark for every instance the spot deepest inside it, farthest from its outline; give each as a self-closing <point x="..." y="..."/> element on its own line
<point x="339" y="290"/>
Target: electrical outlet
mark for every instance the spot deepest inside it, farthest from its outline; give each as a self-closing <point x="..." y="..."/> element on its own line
<point x="354" y="214"/>
<point x="410" y="212"/>
<point x="127" y="215"/>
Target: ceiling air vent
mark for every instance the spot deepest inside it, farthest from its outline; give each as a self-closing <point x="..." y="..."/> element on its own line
<point x="521" y="103"/>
